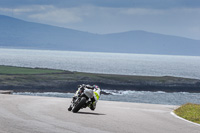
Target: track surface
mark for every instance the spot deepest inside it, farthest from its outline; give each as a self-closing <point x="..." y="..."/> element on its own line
<point x="31" y="114"/>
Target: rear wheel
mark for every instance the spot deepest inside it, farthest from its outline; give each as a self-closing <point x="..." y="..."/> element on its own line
<point x="79" y="105"/>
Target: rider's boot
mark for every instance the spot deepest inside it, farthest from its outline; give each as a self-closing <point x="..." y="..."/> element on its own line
<point x="93" y="104"/>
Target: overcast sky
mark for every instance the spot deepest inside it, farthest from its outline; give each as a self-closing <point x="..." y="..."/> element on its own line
<point x="172" y="17"/>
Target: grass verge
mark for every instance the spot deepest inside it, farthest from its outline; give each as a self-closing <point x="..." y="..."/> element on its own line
<point x="189" y="112"/>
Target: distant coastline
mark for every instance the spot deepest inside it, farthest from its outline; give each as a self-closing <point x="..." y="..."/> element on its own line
<point x="22" y="34"/>
<point x="20" y="79"/>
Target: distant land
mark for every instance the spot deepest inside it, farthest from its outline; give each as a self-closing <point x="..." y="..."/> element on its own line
<point x="16" y="33"/>
<point x="21" y="79"/>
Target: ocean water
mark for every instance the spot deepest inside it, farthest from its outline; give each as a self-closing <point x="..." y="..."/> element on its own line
<point x="112" y="63"/>
<point x="109" y="63"/>
<point x="176" y="98"/>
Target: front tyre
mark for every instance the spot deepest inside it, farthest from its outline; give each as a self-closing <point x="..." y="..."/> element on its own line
<point x="79" y="105"/>
<point x="70" y="108"/>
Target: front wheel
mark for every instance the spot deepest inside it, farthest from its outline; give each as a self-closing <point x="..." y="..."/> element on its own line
<point x="70" y="108"/>
<point x="79" y="105"/>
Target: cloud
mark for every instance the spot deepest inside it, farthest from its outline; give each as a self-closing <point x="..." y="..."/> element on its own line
<point x="161" y="4"/>
<point x="25" y="9"/>
<point x="174" y="17"/>
<point x="45" y="13"/>
<point x="16" y="10"/>
<point x="56" y="15"/>
<point x="141" y="11"/>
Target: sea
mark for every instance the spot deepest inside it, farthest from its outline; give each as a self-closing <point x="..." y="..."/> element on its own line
<point x="112" y="63"/>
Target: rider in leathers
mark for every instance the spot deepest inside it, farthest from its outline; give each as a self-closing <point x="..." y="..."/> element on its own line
<point x="95" y="97"/>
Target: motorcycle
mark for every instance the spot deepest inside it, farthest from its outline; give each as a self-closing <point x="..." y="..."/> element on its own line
<point x="82" y="99"/>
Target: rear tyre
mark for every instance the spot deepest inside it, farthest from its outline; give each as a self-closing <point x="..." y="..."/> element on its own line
<point x="79" y="105"/>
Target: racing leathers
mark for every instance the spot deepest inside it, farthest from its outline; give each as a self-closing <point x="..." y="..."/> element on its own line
<point x="95" y="97"/>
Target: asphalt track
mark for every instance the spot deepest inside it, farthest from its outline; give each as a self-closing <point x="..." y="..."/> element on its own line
<point x="31" y="114"/>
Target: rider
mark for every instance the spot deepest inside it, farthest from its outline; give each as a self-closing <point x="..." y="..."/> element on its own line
<point x="96" y="94"/>
<point x="95" y="99"/>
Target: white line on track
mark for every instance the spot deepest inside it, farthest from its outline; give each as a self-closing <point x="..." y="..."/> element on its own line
<point x="172" y="113"/>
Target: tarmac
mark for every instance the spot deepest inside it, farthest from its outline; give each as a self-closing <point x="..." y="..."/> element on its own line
<point x="34" y="114"/>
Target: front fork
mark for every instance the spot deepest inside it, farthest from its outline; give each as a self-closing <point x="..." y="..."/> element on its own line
<point x="72" y="103"/>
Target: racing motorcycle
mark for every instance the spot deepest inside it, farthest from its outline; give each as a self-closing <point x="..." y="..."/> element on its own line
<point x="82" y="99"/>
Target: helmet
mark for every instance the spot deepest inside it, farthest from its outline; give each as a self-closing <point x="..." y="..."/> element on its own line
<point x="96" y="87"/>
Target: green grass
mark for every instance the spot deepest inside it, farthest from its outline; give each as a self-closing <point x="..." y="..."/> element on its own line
<point x="189" y="112"/>
<point x="24" y="70"/>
